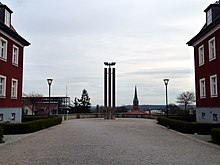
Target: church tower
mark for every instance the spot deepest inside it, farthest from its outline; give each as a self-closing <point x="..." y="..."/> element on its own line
<point x="135" y="100"/>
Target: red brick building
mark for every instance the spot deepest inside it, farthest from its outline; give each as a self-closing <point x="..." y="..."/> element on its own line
<point x="207" y="61"/>
<point x="11" y="68"/>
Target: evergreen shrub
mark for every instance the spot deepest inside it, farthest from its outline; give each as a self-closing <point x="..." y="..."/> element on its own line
<point x="31" y="126"/>
<point x="216" y="135"/>
<point x="26" y="118"/>
<point x="1" y="134"/>
<point x="187" y="127"/>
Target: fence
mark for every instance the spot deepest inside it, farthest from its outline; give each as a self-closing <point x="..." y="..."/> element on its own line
<point x="101" y="115"/>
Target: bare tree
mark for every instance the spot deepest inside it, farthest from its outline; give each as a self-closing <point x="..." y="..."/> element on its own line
<point x="186" y="98"/>
<point x="31" y="99"/>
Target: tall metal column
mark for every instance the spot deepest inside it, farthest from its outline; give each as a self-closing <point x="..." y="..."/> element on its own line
<point x="105" y="87"/>
<point x="109" y="90"/>
<point x="113" y="87"/>
<point x="109" y="87"/>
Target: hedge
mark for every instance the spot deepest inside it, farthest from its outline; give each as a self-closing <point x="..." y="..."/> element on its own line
<point x="26" y="118"/>
<point x="216" y="135"/>
<point x="187" y="127"/>
<point x="31" y="126"/>
<point x="1" y="134"/>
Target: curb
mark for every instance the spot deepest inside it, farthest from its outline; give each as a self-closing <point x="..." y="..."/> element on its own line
<point x="216" y="146"/>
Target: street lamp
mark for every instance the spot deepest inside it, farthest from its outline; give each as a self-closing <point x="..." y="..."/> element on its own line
<point x="49" y="81"/>
<point x="166" y="83"/>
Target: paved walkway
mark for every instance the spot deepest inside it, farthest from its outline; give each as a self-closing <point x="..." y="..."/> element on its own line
<point x="107" y="142"/>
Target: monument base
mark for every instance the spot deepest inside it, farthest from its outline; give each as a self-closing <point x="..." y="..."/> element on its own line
<point x="110" y="114"/>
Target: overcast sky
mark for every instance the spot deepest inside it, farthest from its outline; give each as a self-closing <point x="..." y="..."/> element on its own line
<point x="70" y="40"/>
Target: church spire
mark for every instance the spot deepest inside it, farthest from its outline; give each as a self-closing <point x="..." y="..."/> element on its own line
<point x="135" y="100"/>
<point x="135" y="93"/>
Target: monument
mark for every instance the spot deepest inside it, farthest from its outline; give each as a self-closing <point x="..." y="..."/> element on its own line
<point x="109" y="90"/>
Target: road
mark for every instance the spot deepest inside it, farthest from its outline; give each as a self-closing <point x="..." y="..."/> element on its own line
<point x="108" y="142"/>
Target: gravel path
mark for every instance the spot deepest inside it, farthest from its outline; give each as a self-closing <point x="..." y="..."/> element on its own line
<point x="107" y="142"/>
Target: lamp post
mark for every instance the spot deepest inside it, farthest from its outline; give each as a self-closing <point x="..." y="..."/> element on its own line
<point x="49" y="81"/>
<point x="166" y="83"/>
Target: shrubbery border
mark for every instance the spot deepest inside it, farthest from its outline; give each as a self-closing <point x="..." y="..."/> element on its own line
<point x="187" y="127"/>
<point x="26" y="118"/>
<point x="30" y="126"/>
<point x="216" y="135"/>
<point x="1" y="134"/>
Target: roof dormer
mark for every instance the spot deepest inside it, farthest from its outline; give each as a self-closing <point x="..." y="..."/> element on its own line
<point x="212" y="11"/>
<point x="5" y="15"/>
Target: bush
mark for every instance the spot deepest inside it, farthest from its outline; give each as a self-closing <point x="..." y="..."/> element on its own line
<point x="178" y="125"/>
<point x="216" y="135"/>
<point x="26" y="118"/>
<point x="187" y="127"/>
<point x="1" y="134"/>
<point x="31" y="126"/>
<point x="189" y="118"/>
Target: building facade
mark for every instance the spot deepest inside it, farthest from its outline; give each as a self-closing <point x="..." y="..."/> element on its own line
<point x="11" y="68"/>
<point x="45" y="105"/>
<point x="207" y="72"/>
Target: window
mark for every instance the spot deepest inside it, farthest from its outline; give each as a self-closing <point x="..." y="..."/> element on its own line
<point x="209" y="16"/>
<point x="3" y="53"/>
<point x="13" y="116"/>
<point x="202" y="88"/>
<point x="2" y="86"/>
<point x="15" y="55"/>
<point x="14" y="88"/>
<point x="212" y="53"/>
<point x="7" y="18"/>
<point x="215" y="117"/>
<point x="213" y="86"/>
<point x="1" y="117"/>
<point x="203" y="116"/>
<point x="201" y="55"/>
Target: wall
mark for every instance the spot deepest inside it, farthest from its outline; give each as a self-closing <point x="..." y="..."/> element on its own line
<point x="208" y="115"/>
<point x="7" y="114"/>
<point x="11" y="71"/>
<point x="205" y="71"/>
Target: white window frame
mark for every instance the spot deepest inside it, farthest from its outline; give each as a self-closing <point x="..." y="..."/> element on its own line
<point x="212" y="49"/>
<point x="215" y="117"/>
<point x="14" y="88"/>
<point x="13" y="116"/>
<point x="7" y="18"/>
<point x="201" y="55"/>
<point x="209" y="16"/>
<point x="3" y="49"/>
<point x="213" y="86"/>
<point x="202" y="88"/>
<point x="2" y="86"/>
<point x="1" y="116"/>
<point x="15" y="55"/>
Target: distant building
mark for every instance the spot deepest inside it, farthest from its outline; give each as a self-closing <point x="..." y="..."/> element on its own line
<point x="135" y="109"/>
<point x="44" y="106"/>
<point x="11" y="68"/>
<point x="135" y="100"/>
<point x="207" y="61"/>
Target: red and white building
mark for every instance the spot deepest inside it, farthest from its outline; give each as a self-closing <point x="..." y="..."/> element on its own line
<point x="11" y="68"/>
<point x="207" y="67"/>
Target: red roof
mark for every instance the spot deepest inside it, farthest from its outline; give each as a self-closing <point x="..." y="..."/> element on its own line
<point x="136" y="111"/>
